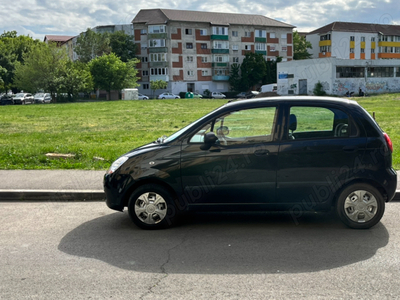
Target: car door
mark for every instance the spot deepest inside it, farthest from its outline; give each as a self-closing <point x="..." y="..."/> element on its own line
<point x="240" y="168"/>
<point x="322" y="150"/>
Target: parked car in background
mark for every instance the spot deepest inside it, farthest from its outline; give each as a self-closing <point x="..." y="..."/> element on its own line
<point x="168" y="95"/>
<point x="197" y="95"/>
<point x="42" y="98"/>
<point x="23" y="98"/>
<point x="217" y="95"/>
<point x="292" y="154"/>
<point x="6" y="99"/>
<point x="142" y="97"/>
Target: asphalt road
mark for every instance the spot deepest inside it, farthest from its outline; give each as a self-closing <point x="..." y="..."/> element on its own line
<point x="83" y="250"/>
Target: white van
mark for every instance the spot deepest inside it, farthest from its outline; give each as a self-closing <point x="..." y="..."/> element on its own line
<point x="273" y="87"/>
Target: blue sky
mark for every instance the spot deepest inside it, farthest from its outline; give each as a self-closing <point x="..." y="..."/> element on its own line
<point x="66" y="17"/>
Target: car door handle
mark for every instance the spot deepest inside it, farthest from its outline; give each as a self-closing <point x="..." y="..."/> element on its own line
<point x="350" y="148"/>
<point x="261" y="152"/>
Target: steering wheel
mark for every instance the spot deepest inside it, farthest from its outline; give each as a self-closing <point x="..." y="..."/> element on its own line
<point x="339" y="128"/>
<point x="221" y="132"/>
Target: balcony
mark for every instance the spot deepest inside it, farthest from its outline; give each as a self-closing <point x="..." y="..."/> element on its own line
<point x="159" y="77"/>
<point x="158" y="64"/>
<point x="263" y="52"/>
<point x="261" y="40"/>
<point x="220" y="64"/>
<point x="219" y="37"/>
<point x="157" y="36"/>
<point x="325" y="43"/>
<point x="158" y="50"/>
<point x="220" y="78"/>
<point x="220" y="51"/>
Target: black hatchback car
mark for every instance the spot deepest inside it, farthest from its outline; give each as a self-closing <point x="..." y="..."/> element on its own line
<point x="282" y="153"/>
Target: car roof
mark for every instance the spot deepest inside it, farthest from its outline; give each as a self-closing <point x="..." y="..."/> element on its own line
<point x="311" y="99"/>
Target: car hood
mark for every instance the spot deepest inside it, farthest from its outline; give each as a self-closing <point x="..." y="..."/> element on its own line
<point x="145" y="148"/>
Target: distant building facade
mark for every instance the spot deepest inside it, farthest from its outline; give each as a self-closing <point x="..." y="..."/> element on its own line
<point x="193" y="50"/>
<point x="347" y="57"/>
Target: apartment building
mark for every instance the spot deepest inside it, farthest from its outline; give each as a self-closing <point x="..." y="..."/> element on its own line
<point x="349" y="40"/>
<point x="193" y="50"/>
<point x="346" y="57"/>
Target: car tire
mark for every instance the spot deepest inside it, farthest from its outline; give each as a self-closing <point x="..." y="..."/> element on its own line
<point x="23" y="102"/>
<point x="360" y="206"/>
<point x="151" y="206"/>
<point x="163" y="98"/>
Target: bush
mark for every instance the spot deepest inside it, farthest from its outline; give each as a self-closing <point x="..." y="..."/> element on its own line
<point x="319" y="89"/>
<point x="206" y="94"/>
<point x="230" y="95"/>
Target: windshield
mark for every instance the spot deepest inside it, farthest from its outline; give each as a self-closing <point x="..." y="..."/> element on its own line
<point x="19" y="95"/>
<point x="39" y="95"/>
<point x="179" y="132"/>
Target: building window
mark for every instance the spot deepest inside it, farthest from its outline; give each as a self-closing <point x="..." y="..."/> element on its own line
<point x="143" y="45"/>
<point x="247" y="34"/>
<point x="143" y="31"/>
<point x="235" y="59"/>
<point x="397" y="70"/>
<point x="220" y="45"/>
<point x="189" y="58"/>
<point x="156" y="43"/>
<point x="189" y="45"/>
<point x="190" y="73"/>
<point x="352" y="38"/>
<point x="351" y="50"/>
<point x="156" y="28"/>
<point x="283" y="36"/>
<point x="261" y="33"/>
<point x="218" y="30"/>
<point x="363" y="39"/>
<point x="158" y="57"/>
<point x="221" y="58"/>
<point x="323" y="49"/>
<point x="372" y="50"/>
<point x="145" y="73"/>
<point x="204" y="59"/>
<point x="159" y="71"/>
<point x="145" y="86"/>
<point x="272" y="35"/>
<point x="247" y="47"/>
<point x="203" y="32"/>
<point x="362" y="50"/>
<point x="144" y="59"/>
<point x="261" y="47"/>
<point x="272" y="48"/>
<point x="188" y="31"/>
<point x="325" y="37"/>
<point x="203" y="46"/>
<point x="204" y="72"/>
<point x="284" y="48"/>
<point x="380" y="72"/>
<point x="235" y="47"/>
<point x="235" y="33"/>
<point x="349" y="72"/>
<point x="372" y="39"/>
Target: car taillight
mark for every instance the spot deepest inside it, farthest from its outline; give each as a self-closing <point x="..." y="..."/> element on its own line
<point x="388" y="142"/>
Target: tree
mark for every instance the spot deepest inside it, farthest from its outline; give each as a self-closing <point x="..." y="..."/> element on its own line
<point x="158" y="85"/>
<point x="12" y="51"/>
<point x="234" y="78"/>
<point x="91" y="44"/>
<point x="300" y="45"/>
<point x="74" y="77"/>
<point x="122" y="45"/>
<point x="253" y="70"/>
<point x="40" y="68"/>
<point x="110" y="73"/>
<point x="271" y="73"/>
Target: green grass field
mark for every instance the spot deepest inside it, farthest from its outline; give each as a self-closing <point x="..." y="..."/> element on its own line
<point x="108" y="129"/>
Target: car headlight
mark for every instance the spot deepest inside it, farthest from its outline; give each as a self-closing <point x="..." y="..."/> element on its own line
<point x="116" y="164"/>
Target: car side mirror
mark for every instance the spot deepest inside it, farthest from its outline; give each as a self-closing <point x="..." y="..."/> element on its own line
<point x="209" y="139"/>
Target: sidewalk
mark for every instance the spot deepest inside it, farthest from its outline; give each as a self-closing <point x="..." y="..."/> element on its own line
<point x="51" y="185"/>
<point x="62" y="185"/>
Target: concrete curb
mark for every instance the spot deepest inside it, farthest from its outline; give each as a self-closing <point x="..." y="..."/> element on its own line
<point x="52" y="195"/>
<point x="68" y="195"/>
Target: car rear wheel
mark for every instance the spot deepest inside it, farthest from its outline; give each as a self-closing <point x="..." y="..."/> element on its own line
<point x="151" y="206"/>
<point x="360" y="206"/>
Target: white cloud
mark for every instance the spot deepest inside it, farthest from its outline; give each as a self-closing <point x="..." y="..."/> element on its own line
<point x="66" y="17"/>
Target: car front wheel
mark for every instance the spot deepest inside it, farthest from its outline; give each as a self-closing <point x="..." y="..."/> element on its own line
<point x="360" y="206"/>
<point x="151" y="206"/>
